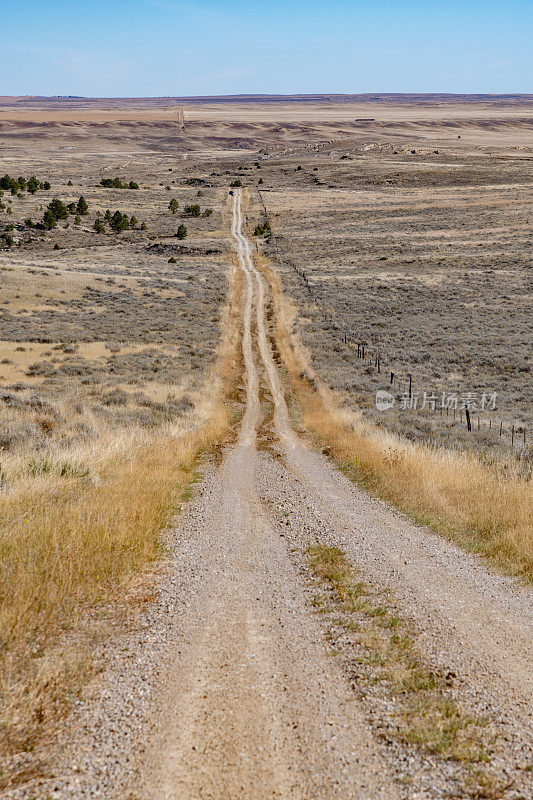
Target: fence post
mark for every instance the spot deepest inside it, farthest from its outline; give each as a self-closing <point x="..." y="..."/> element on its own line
<point x="392" y="377"/>
<point x="410" y="386"/>
<point x="467" y="415"/>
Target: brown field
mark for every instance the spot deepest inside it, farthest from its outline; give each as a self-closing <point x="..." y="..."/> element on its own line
<point x="403" y="222"/>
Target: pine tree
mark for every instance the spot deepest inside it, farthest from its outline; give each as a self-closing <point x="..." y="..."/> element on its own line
<point x="49" y="219"/>
<point x="119" y="222"/>
<point x="82" y="208"/>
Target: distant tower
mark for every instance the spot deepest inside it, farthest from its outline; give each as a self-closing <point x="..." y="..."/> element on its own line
<point x="181" y="118"/>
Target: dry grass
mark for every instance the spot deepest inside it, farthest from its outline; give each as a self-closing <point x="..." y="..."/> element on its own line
<point x="483" y="508"/>
<point x="425" y="713"/>
<point x="76" y="523"/>
<point x="73" y="530"/>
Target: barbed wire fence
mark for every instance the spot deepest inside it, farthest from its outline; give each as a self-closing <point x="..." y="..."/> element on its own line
<point x="461" y="410"/>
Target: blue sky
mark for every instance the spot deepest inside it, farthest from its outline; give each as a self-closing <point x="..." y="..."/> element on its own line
<point x="169" y="47"/>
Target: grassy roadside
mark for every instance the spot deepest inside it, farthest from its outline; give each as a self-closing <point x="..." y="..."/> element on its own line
<point x="425" y="715"/>
<point x="76" y="524"/>
<point x="483" y="509"/>
<point x="417" y="706"/>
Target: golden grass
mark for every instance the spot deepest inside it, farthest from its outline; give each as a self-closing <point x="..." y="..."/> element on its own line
<point x="72" y="530"/>
<point x="75" y="525"/>
<point x="483" y="508"/>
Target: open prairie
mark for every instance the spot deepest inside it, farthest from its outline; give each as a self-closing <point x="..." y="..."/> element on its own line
<point x="289" y="634"/>
<point x="410" y="217"/>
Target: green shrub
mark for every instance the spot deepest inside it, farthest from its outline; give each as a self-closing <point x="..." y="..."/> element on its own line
<point x="58" y="209"/>
<point x="82" y="208"/>
<point x="33" y="184"/>
<point x="49" y="220"/>
<point x="119" y="222"/>
<point x="181" y="233"/>
<point x="261" y="230"/>
<point x="116" y="183"/>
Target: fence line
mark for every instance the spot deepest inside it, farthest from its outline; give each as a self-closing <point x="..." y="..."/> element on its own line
<point x="518" y="433"/>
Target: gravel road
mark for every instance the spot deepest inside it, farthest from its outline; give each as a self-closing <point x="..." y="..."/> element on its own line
<point x="229" y="689"/>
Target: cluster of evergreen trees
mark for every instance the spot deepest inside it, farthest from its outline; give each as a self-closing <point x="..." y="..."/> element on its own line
<point x="20" y="184"/>
<point x="57" y="210"/>
<point x="193" y="211"/>
<point x="116" y="183"/>
<point x="118" y="222"/>
<point x="261" y="230"/>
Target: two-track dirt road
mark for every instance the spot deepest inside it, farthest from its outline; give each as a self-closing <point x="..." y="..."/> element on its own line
<point x="231" y="692"/>
<point x="259" y="710"/>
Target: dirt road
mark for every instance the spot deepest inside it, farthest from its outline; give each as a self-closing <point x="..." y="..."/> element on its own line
<point x="231" y="691"/>
<point x="259" y="709"/>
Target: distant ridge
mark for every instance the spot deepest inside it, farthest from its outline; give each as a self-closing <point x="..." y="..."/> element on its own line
<point x="385" y="97"/>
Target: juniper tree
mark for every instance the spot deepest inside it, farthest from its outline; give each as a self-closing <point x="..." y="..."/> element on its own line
<point x="49" y="219"/>
<point x="119" y="222"/>
<point x="82" y="208"/>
